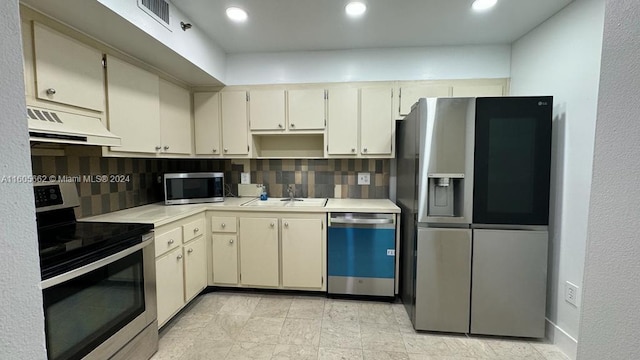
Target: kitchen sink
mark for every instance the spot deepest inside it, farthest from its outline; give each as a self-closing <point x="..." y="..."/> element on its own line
<point x="286" y="202"/>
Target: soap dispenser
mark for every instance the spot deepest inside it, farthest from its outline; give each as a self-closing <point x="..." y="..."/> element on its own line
<point x="263" y="195"/>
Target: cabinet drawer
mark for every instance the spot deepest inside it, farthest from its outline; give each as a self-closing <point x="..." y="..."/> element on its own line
<point x="193" y="229"/>
<point x="223" y="224"/>
<point x="168" y="240"/>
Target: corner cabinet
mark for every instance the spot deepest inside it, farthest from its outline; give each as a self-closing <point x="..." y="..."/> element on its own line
<point x="181" y="264"/>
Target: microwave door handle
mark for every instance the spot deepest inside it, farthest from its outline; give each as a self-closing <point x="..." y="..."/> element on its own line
<point x="147" y="240"/>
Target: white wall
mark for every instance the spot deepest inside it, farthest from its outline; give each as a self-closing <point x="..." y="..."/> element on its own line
<point x="610" y="319"/>
<point x="21" y="315"/>
<point x="562" y="58"/>
<point x="442" y="62"/>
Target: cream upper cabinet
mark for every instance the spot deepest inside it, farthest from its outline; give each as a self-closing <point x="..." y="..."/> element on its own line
<point x="235" y="136"/>
<point x="477" y="90"/>
<point x="376" y="121"/>
<point x="224" y="249"/>
<point x="306" y="109"/>
<point x="67" y="71"/>
<point x="169" y="284"/>
<point x="195" y="267"/>
<point x="259" y="265"/>
<point x="134" y="107"/>
<point x="342" y="121"/>
<point x="206" y="113"/>
<point x="409" y="95"/>
<point x="302" y="253"/>
<point x="267" y="109"/>
<point x="175" y="119"/>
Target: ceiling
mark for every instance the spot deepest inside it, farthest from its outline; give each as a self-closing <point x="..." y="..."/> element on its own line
<point x="298" y="25"/>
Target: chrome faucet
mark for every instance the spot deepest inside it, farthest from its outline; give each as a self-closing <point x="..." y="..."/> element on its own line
<point x="291" y="192"/>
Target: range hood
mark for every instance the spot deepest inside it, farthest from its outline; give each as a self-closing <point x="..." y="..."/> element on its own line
<point x="62" y="127"/>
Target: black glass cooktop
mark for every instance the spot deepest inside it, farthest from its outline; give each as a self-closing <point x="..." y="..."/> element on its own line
<point x="68" y="246"/>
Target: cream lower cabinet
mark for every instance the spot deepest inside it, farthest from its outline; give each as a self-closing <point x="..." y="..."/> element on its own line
<point x="303" y="253"/>
<point x="181" y="264"/>
<point x="224" y="250"/>
<point x="259" y="250"/>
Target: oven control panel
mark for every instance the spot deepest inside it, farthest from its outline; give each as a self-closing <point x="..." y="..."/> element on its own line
<point x="47" y="195"/>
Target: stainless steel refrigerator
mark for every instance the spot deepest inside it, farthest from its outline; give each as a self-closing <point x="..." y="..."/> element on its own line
<point x="473" y="186"/>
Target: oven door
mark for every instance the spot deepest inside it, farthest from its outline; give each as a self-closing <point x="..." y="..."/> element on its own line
<point x="93" y="311"/>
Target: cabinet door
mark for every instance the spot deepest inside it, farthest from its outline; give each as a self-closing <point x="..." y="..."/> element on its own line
<point x="302" y="253"/>
<point x="68" y="71"/>
<point x="206" y="110"/>
<point x="477" y="90"/>
<point x="306" y="109"/>
<point x="195" y="267"/>
<point x="175" y="119"/>
<point x="169" y="284"/>
<point x="134" y="107"/>
<point x="342" y="122"/>
<point x="259" y="251"/>
<point x="376" y="121"/>
<point x="234" y="123"/>
<point x="225" y="259"/>
<point x="409" y="95"/>
<point x="266" y="109"/>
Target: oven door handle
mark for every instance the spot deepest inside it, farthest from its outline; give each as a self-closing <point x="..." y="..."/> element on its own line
<point x="147" y="240"/>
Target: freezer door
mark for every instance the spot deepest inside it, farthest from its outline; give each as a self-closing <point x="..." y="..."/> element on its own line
<point x="443" y="276"/>
<point x="509" y="283"/>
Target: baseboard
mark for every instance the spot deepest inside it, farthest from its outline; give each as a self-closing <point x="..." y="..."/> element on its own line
<point x="565" y="342"/>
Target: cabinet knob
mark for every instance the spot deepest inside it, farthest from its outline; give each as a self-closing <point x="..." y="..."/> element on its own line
<point x="158" y="147"/>
<point x="196" y="230"/>
<point x="223" y="225"/>
<point x="286" y="224"/>
<point x="280" y="126"/>
<point x="166" y="147"/>
<point x="364" y="150"/>
<point x="293" y="125"/>
<point x="51" y="91"/>
<point x="226" y="150"/>
<point x="272" y="224"/>
<point x="170" y="241"/>
<point x="179" y="257"/>
<point x="230" y="241"/>
<point x="190" y="251"/>
<point x="353" y="149"/>
<point x="215" y="150"/>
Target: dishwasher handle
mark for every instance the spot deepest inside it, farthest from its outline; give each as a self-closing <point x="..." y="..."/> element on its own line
<point x="345" y="220"/>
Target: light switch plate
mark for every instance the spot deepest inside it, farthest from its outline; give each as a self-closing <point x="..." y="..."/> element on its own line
<point x="364" y="178"/>
<point x="245" y="178"/>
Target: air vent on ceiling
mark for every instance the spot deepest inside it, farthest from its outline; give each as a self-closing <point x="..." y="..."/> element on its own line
<point x="157" y="9"/>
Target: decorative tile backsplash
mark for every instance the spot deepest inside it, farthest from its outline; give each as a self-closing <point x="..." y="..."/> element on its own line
<point x="320" y="178"/>
<point x="137" y="181"/>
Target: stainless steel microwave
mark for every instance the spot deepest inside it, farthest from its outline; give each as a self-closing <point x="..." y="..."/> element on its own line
<point x="193" y="188"/>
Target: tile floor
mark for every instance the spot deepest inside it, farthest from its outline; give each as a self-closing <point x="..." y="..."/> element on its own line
<point x="233" y="326"/>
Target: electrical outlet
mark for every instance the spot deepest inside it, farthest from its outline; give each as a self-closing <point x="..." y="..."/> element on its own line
<point x="571" y="293"/>
<point x="364" y="178"/>
<point x="245" y="178"/>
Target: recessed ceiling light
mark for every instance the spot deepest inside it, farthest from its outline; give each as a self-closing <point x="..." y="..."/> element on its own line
<point x="236" y="14"/>
<point x="481" y="5"/>
<point x="355" y="8"/>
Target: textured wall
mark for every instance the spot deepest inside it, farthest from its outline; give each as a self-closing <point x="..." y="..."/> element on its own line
<point x="21" y="315"/>
<point x="543" y="63"/>
<point x="610" y="319"/>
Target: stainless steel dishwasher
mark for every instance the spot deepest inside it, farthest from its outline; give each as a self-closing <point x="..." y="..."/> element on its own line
<point x="361" y="254"/>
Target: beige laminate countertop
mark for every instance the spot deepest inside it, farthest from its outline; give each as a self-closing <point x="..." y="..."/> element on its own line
<point x="159" y="214"/>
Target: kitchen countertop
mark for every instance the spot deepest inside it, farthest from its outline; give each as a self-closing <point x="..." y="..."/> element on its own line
<point x="160" y="214"/>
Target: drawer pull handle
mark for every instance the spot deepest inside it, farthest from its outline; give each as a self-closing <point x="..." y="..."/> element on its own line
<point x="179" y="256"/>
<point x="196" y="230"/>
<point x="170" y="241"/>
<point x="223" y="225"/>
<point x="190" y="251"/>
